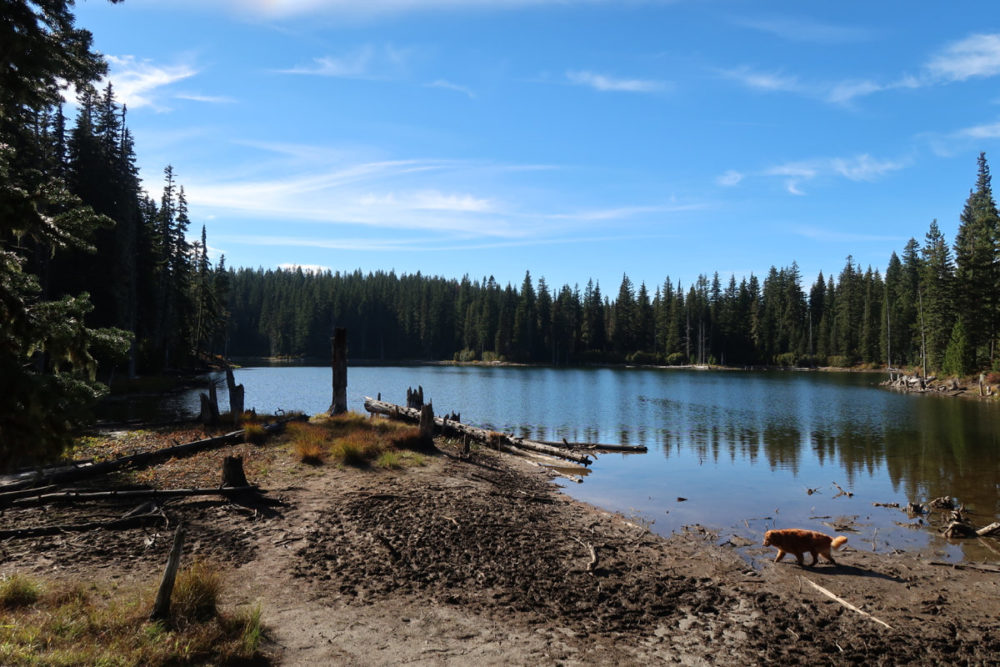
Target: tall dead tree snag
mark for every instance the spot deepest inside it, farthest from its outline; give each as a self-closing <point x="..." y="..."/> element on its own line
<point x="235" y="396"/>
<point x="339" y="405"/>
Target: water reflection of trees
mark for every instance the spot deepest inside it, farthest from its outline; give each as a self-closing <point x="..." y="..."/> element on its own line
<point x="929" y="447"/>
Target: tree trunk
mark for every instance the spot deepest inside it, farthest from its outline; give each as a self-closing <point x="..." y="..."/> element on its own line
<point x="235" y="397"/>
<point x="339" y="405"/>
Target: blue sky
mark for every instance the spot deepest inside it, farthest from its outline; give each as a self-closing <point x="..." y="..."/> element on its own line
<point x="574" y="139"/>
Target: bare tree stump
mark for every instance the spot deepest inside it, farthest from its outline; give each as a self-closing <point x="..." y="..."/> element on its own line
<point x="161" y="607"/>
<point x="232" y="472"/>
<point x="427" y="422"/>
<point x="339" y="405"/>
<point x="209" y="407"/>
<point x="235" y="396"/>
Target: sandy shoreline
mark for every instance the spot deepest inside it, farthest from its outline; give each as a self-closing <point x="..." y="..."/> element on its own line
<point x="483" y="559"/>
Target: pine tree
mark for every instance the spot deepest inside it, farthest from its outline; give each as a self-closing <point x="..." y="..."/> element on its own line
<point x="977" y="266"/>
<point x="936" y="294"/>
<point x="47" y="353"/>
<point x="959" y="356"/>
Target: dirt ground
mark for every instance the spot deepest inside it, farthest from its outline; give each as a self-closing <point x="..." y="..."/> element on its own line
<point x="481" y="559"/>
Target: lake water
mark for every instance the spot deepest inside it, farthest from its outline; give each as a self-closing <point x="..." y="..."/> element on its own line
<point x="743" y="448"/>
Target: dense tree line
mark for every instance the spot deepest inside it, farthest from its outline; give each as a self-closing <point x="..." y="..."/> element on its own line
<point x="937" y="306"/>
<point x="93" y="271"/>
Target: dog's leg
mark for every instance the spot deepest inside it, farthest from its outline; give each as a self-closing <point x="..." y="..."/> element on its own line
<point x="781" y="554"/>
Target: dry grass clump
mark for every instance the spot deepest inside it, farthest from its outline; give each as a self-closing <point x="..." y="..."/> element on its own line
<point x="254" y="433"/>
<point x="18" y="591"/>
<point x="309" y="442"/>
<point x="78" y="625"/>
<point x="358" y="447"/>
<point x="409" y="437"/>
<point x="196" y="593"/>
<point x="353" y="439"/>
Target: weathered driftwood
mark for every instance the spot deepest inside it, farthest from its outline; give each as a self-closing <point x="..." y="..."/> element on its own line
<point x="72" y="473"/>
<point x="114" y="524"/>
<point x="845" y="603"/>
<point x="593" y="553"/>
<point x="596" y="447"/>
<point x="339" y="349"/>
<point x="482" y="435"/>
<point x="236" y="394"/>
<point x="131" y="494"/>
<point x="161" y="607"/>
<point x="992" y="529"/>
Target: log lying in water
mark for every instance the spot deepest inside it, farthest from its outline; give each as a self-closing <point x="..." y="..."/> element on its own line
<point x="493" y="438"/>
<point x="597" y="447"/>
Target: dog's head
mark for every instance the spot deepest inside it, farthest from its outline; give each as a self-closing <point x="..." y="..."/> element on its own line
<point x="767" y="538"/>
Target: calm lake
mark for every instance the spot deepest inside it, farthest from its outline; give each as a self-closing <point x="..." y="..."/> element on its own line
<point x="743" y="448"/>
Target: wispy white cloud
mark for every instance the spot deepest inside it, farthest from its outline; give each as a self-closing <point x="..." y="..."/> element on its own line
<point x="605" y="83"/>
<point x="865" y="167"/>
<point x="460" y="201"/>
<point x="767" y="81"/>
<point x="623" y="212"/>
<point x="367" y="61"/>
<point x="974" y="56"/>
<point x="805" y="30"/>
<point x="356" y="64"/>
<point x="448" y="85"/>
<point x="858" y="168"/>
<point x="208" y="99"/>
<point x="793" y="173"/>
<point x="987" y="131"/>
<point x="730" y="178"/>
<point x="138" y="83"/>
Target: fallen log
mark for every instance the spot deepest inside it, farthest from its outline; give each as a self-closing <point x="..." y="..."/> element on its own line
<point x="73" y="473"/>
<point x="130" y="494"/>
<point x="114" y="524"/>
<point x="597" y="447"/>
<point x="992" y="529"/>
<point x="449" y="427"/>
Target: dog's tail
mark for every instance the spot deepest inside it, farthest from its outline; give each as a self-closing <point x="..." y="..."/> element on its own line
<point x="838" y="542"/>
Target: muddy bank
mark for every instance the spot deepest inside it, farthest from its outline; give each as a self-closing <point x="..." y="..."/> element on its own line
<point x="483" y="559"/>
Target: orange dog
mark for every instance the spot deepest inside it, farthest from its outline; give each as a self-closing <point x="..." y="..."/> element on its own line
<point x="797" y="541"/>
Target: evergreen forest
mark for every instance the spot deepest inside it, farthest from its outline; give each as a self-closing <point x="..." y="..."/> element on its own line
<point x="936" y="308"/>
<point x="101" y="279"/>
